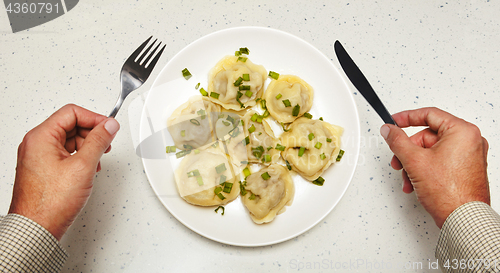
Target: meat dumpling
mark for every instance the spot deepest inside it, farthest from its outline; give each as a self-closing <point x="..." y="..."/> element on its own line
<point x="206" y="178"/>
<point x="311" y="146"/>
<point x="262" y="142"/>
<point x="192" y="124"/>
<point x="286" y="94"/>
<point x="268" y="192"/>
<point x="226" y="88"/>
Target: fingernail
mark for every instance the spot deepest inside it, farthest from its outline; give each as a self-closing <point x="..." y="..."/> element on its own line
<point x="112" y="126"/>
<point x="384" y="131"/>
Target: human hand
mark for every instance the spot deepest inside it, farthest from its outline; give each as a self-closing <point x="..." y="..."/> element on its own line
<point x="52" y="184"/>
<point x="445" y="164"/>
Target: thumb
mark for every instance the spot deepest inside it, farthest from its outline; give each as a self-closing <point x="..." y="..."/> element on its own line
<point x="399" y="143"/>
<point x="98" y="140"/>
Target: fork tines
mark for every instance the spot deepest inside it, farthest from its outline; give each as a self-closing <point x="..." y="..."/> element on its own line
<point x="144" y="58"/>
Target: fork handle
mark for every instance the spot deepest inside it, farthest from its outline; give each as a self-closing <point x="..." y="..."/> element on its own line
<point x="118" y="104"/>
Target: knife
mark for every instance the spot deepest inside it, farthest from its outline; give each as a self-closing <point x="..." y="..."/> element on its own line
<point x="361" y="83"/>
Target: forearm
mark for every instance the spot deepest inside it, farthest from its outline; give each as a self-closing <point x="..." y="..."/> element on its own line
<point x="25" y="246"/>
<point x="470" y="234"/>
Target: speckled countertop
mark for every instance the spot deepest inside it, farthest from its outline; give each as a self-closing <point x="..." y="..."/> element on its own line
<point x="415" y="53"/>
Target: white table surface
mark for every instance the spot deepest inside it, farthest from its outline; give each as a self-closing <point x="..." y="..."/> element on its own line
<point x="415" y="54"/>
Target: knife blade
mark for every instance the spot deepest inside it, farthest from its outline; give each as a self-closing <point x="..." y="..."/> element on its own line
<point x="361" y="83"/>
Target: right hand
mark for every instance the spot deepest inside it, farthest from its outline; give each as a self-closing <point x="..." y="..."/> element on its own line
<point x="445" y="164"/>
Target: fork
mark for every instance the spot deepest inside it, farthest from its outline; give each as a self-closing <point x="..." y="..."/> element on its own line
<point x="136" y="70"/>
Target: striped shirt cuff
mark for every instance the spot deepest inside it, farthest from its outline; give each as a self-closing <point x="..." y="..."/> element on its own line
<point x="470" y="239"/>
<point x="25" y="246"/>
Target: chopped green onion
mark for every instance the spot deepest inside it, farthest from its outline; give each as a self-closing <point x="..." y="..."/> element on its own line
<point x="263" y="104"/>
<point x="171" y="149"/>
<point x="202" y="113"/>
<point x="254" y="117"/>
<point x="341" y="154"/>
<point x="280" y="147"/>
<point x="235" y="132"/>
<point x="197" y="86"/>
<point x="214" y="95"/>
<point x="284" y="128"/>
<point x="215" y="145"/>
<point x="307" y="115"/>
<point x="227" y="187"/>
<point x="258" y="151"/>
<point x="242" y="123"/>
<point x="286" y="103"/>
<point x="301" y="151"/>
<point x="267" y="158"/>
<point x="247" y="141"/>
<point x="259" y="119"/>
<point x="222" y="179"/>
<point x="244" y="50"/>
<point x="203" y="92"/>
<point x="244" y="87"/>
<point x="238" y="82"/>
<point x="252" y="197"/>
<point x="288" y="165"/>
<point x="242" y="59"/>
<point x="195" y="122"/>
<point x="243" y="191"/>
<point x="217" y="190"/>
<point x="246" y="77"/>
<point x="321" y="118"/>
<point x="186" y="74"/>
<point x="196" y="151"/>
<point x="221" y="168"/>
<point x="182" y="153"/>
<point x="246" y="172"/>
<point x="244" y="162"/>
<point x="328" y="140"/>
<point x="279" y="96"/>
<point x="238" y="96"/>
<point x="221" y="196"/>
<point x="226" y="123"/>
<point x="193" y="173"/>
<point x="265" y="176"/>
<point x="322" y="156"/>
<point x="187" y="146"/>
<point x="230" y="119"/>
<point x="237" y="53"/>
<point x="269" y="148"/>
<point x="183" y="133"/>
<point x="310" y="136"/>
<point x="266" y="114"/>
<point x="320" y="181"/>
<point x="200" y="180"/>
<point x="251" y="129"/>
<point x="296" y="110"/>
<point x="220" y="207"/>
<point x="318" y="145"/>
<point x="274" y="75"/>
<point x="249" y="93"/>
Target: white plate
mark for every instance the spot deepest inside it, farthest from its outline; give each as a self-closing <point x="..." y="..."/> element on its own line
<point x="277" y="51"/>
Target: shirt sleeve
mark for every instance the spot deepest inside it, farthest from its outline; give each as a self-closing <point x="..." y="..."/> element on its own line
<point x="25" y="246"/>
<point x="469" y="235"/>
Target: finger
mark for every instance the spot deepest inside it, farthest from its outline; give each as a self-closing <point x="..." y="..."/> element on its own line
<point x="396" y="164"/>
<point x="437" y="119"/>
<point x="407" y="185"/>
<point x="425" y="138"/>
<point x="485" y="148"/>
<point x="70" y="145"/>
<point x="399" y="143"/>
<point x="64" y="121"/>
<point x="98" y="141"/>
<point x="108" y="149"/>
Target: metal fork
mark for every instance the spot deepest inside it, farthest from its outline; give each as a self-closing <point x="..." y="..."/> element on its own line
<point x="136" y="70"/>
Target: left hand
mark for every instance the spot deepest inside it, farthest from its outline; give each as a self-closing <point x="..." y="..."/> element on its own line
<point x="56" y="165"/>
